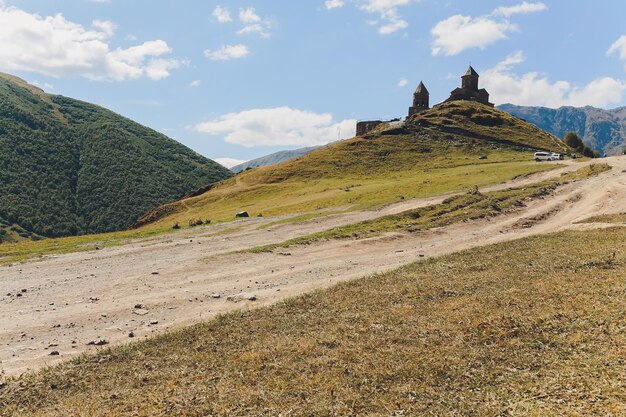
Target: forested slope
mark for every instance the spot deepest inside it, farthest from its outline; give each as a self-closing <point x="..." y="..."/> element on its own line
<point x="68" y="167"/>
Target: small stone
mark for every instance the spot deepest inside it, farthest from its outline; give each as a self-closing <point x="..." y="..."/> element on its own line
<point x="100" y="342"/>
<point x="215" y="295"/>
<point x="242" y="297"/>
<point x="154" y="322"/>
<point x="131" y="334"/>
<point x="140" y="312"/>
<point x="54" y="353"/>
<point x="138" y="305"/>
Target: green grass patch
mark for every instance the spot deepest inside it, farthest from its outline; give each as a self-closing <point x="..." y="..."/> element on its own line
<point x="28" y="249"/>
<point x="470" y="206"/>
<point x="532" y="327"/>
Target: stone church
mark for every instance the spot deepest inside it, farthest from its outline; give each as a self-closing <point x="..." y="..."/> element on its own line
<point x="469" y="89"/>
<point x="421" y="99"/>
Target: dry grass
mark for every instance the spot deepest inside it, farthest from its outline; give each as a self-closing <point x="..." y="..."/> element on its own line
<point x="419" y="161"/>
<point x="459" y="208"/>
<point x="619" y="218"/>
<point x="533" y="327"/>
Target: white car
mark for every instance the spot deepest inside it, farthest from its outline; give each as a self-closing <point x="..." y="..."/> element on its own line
<point x="544" y="156"/>
<point x="557" y="156"/>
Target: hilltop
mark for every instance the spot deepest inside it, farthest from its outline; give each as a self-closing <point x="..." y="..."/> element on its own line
<point x="68" y="167"/>
<point x="450" y="147"/>
<point x="602" y="130"/>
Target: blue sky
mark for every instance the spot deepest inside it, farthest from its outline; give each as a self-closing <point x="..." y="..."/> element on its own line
<point x="241" y="79"/>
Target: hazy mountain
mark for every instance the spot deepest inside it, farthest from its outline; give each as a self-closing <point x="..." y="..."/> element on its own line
<point x="274" y="158"/>
<point x="602" y="130"/>
<point x="68" y="167"/>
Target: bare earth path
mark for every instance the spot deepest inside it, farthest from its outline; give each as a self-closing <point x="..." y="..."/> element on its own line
<point x="62" y="303"/>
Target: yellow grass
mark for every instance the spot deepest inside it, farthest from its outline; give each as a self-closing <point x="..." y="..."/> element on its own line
<point x="533" y="327"/>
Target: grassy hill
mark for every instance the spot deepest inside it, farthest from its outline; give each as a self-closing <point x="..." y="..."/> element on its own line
<point x="68" y="167"/>
<point x="533" y="327"/>
<point x="448" y="148"/>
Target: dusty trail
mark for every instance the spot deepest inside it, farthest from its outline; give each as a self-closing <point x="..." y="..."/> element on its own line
<point x="71" y="300"/>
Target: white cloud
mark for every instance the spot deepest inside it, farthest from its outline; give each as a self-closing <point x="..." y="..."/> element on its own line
<point x="253" y="23"/>
<point x="619" y="47"/>
<point x="229" y="162"/>
<point x="333" y="4"/>
<point x="105" y="26"/>
<point x="222" y="14"/>
<point x="522" y="8"/>
<point x="388" y="11"/>
<point x="248" y="16"/>
<point x="403" y="82"/>
<point x="393" y="26"/>
<point x="195" y="83"/>
<point x="457" y="33"/>
<point x="57" y="47"/>
<point x="535" y="89"/>
<point x="227" y="52"/>
<point x="94" y="1"/>
<point x="281" y="126"/>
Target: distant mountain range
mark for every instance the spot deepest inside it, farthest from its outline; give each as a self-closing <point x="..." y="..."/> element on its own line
<point x="68" y="167"/>
<point x="274" y="158"/>
<point x="602" y="130"/>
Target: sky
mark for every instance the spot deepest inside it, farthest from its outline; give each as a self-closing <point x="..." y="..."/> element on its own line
<point x="235" y="80"/>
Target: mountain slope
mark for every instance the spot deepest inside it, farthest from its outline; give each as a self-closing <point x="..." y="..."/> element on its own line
<point x="274" y="158"/>
<point x="69" y="167"/>
<point x="602" y="130"/>
<point x="448" y="148"/>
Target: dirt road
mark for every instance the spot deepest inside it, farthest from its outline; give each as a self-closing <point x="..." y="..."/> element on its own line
<point x="61" y="306"/>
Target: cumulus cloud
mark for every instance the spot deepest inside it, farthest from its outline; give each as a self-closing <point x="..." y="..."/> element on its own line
<point x="333" y="4"/>
<point x="535" y="89"/>
<point x="618" y="48"/>
<point x="222" y="14"/>
<point x="253" y="23"/>
<point x="403" y="82"/>
<point x="229" y="162"/>
<point x="227" y="52"/>
<point x="457" y="33"/>
<point x="281" y="126"/>
<point x="57" y="47"/>
<point x="195" y="83"/>
<point x="105" y="26"/>
<point x="390" y="20"/>
<point x="522" y="8"/>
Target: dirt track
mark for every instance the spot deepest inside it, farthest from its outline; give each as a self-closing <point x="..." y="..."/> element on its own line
<point x="74" y="299"/>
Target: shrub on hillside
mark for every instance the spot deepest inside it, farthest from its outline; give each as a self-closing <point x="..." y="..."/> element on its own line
<point x="574" y="141"/>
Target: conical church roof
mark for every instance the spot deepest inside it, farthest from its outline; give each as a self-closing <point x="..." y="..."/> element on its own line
<point x="471" y="71"/>
<point x="421" y="89"/>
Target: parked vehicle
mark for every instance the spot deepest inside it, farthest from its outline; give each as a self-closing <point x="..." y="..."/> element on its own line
<point x="557" y="156"/>
<point x="544" y="156"/>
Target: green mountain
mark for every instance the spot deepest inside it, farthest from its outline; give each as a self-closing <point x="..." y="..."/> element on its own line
<point x="68" y="167"/>
<point x="602" y="130"/>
